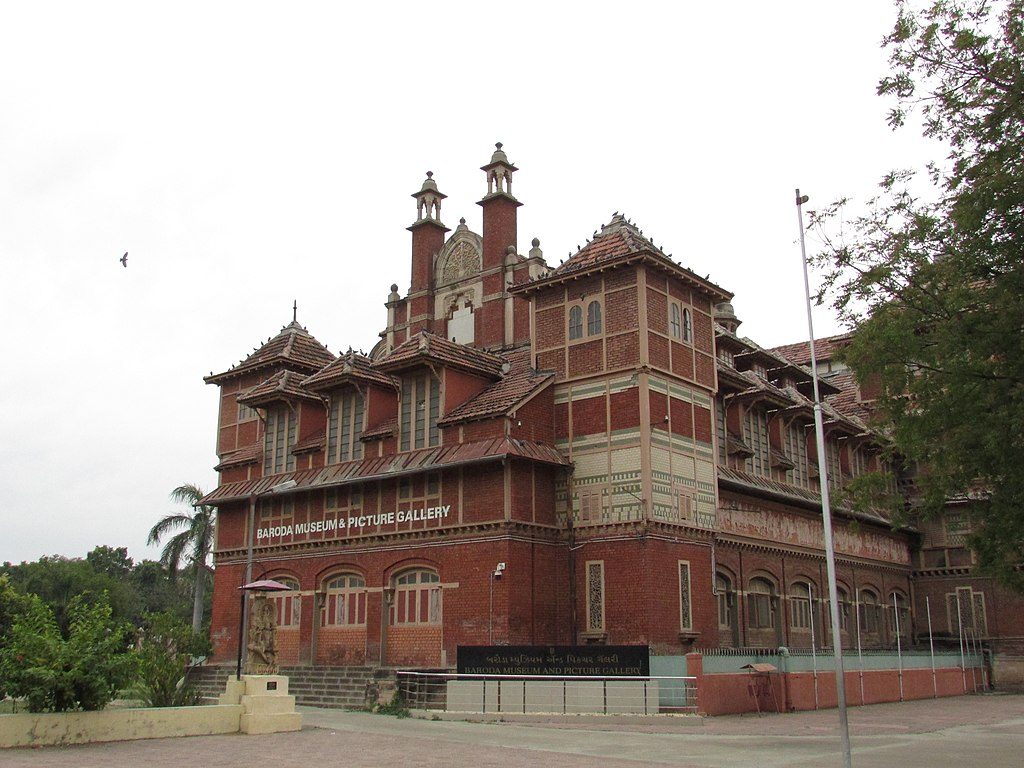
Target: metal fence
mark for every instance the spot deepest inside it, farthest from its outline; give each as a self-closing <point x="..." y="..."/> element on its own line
<point x="543" y="694"/>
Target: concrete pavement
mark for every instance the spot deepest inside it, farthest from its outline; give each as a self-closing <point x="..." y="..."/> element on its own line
<point x="983" y="730"/>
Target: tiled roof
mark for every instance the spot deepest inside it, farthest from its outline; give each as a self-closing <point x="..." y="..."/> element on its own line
<point x="502" y="396"/>
<point x="250" y="454"/>
<point x="382" y="430"/>
<point x="426" y="346"/>
<point x="618" y="240"/>
<point x="281" y="386"/>
<point x="748" y="481"/>
<point x="800" y="352"/>
<point x="351" y="366"/>
<point x="848" y="402"/>
<point x="314" y="442"/>
<point x="293" y="346"/>
<point x="399" y="465"/>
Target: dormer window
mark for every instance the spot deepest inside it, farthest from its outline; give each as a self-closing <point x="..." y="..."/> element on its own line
<point x="282" y="425"/>
<point x="345" y="427"/>
<point x="421" y="406"/>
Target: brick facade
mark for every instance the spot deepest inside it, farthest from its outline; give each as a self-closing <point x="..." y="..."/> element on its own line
<point x="589" y="426"/>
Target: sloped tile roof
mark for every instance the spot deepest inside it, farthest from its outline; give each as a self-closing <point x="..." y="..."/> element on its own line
<point x="294" y="347"/>
<point x="351" y="366"/>
<point x="502" y="396"/>
<point x="847" y="402"/>
<point x="281" y="386"/>
<point x="800" y="352"/>
<point x="314" y="442"/>
<point x="382" y="430"/>
<point x="386" y="467"/>
<point x="619" y="240"/>
<point x="426" y="346"/>
<point x="250" y="454"/>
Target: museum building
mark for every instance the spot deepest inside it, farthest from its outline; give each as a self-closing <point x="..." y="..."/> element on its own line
<point x="587" y="453"/>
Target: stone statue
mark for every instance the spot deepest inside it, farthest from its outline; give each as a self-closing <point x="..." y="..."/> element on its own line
<point x="262" y="646"/>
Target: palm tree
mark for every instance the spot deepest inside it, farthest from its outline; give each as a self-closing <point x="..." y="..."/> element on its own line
<point x="190" y="546"/>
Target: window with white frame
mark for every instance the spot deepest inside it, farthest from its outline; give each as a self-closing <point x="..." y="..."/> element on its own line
<point x="595" y="595"/>
<point x="685" y="605"/>
<point x="344" y="601"/>
<point x="278" y="440"/>
<point x="345" y="427"/>
<point x="417" y="598"/>
<point x="675" y="320"/>
<point x="421" y="406"/>
<point x="287" y="605"/>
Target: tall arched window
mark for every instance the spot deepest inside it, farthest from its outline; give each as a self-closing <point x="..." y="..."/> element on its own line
<point x="687" y="326"/>
<point x="762" y="604"/>
<point x="868" y="612"/>
<point x="345" y="603"/>
<point x="899" y="608"/>
<point x="593" y="318"/>
<point x="575" y="322"/>
<point x="417" y="598"/>
<point x="675" y="323"/>
<point x="726" y="597"/>
<point x="800" y="606"/>
<point x="844" y="609"/>
<point x="287" y="605"/>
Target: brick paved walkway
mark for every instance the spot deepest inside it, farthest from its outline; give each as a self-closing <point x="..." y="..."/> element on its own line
<point x="978" y="730"/>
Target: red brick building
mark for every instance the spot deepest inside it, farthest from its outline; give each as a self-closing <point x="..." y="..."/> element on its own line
<point x="596" y="432"/>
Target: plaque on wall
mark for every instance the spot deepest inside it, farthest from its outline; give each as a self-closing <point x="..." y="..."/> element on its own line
<point x="555" y="660"/>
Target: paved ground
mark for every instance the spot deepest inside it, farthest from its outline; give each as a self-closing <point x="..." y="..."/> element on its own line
<point x="979" y="730"/>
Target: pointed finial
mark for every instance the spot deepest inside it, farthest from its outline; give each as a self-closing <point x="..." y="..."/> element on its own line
<point x="430" y="174"/>
<point x="497" y="145"/>
<point x="295" y="310"/>
<point x="462" y="221"/>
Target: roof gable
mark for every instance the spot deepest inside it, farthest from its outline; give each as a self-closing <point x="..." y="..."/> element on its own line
<point x="294" y="347"/>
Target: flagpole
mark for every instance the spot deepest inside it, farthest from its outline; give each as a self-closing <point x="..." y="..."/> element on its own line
<point x="826" y="514"/>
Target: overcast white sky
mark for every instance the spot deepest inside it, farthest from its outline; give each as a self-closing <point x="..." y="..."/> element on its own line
<point x="250" y="154"/>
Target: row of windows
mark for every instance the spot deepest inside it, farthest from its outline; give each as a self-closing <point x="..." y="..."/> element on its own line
<point x="415" y="599"/>
<point x="763" y="607"/>
<point x="680" y="323"/>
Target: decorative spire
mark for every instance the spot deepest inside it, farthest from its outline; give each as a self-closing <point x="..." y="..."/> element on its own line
<point x="428" y="201"/>
<point x="499" y="173"/>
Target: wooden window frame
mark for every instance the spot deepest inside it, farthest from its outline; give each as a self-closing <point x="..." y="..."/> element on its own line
<point x="420" y="599"/>
<point x="339" y="601"/>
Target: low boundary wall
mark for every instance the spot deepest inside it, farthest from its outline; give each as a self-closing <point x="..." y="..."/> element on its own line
<point x="48" y="729"/>
<point x="728" y="693"/>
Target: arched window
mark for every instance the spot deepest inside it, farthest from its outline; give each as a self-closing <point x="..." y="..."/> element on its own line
<point x="345" y="603"/>
<point x="687" y="326"/>
<point x="417" y="598"/>
<point x="726" y="597"/>
<point x="593" y="318"/>
<point x="868" y="612"/>
<point x="287" y="605"/>
<point x="675" y="323"/>
<point x="762" y="604"/>
<point x="801" y="599"/>
<point x="575" y="322"/>
<point x="844" y="609"/>
<point x="898" y="609"/>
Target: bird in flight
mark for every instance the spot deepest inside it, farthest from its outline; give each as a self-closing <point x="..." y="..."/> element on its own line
<point x="124" y="260"/>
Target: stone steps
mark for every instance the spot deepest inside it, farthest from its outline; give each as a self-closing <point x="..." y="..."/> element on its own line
<point x="331" y="687"/>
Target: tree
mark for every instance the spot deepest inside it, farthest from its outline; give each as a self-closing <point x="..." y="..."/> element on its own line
<point x="166" y="647"/>
<point x="54" y="671"/>
<point x="111" y="561"/>
<point x="931" y="275"/>
<point x="190" y="546"/>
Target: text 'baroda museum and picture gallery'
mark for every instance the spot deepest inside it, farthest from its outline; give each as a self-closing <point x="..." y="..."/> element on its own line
<point x="645" y="474"/>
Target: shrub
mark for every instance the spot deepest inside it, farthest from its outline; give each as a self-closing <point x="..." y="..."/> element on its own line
<point x="166" y="646"/>
<point x="56" y="673"/>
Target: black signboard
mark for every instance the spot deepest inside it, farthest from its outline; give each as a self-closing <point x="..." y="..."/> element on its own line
<point x="555" y="660"/>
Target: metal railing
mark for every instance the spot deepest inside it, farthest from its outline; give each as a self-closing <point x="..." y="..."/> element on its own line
<point x="544" y="694"/>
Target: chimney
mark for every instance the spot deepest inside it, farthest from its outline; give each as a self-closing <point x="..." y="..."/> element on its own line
<point x="427" y="235"/>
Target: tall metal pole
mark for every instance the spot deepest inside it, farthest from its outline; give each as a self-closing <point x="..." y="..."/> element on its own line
<point x="931" y="646"/>
<point x="814" y="654"/>
<point x="899" y="645"/>
<point x="826" y="514"/>
<point x="960" y="634"/>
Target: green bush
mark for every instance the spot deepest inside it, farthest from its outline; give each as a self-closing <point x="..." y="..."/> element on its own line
<point x="166" y="647"/>
<point x="54" y="673"/>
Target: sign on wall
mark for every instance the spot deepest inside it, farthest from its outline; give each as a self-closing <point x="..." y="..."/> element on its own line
<point x="555" y="660"/>
<point x="290" y="530"/>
